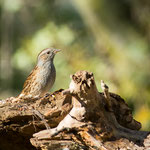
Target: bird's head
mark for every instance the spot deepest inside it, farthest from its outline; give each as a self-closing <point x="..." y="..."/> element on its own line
<point x="47" y="55"/>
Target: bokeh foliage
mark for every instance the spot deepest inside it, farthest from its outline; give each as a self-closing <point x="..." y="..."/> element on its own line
<point x="109" y="38"/>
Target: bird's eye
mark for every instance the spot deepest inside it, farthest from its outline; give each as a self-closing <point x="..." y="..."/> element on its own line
<point x="48" y="52"/>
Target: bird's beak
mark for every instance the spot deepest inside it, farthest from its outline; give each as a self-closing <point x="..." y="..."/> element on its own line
<point x="57" y="50"/>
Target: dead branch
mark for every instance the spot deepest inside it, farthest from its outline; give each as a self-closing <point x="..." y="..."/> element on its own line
<point x="77" y="118"/>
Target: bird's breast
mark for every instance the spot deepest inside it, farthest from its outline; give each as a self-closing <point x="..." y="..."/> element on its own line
<point x="47" y="77"/>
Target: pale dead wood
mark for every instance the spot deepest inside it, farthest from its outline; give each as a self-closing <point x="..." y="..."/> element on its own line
<point x="93" y="115"/>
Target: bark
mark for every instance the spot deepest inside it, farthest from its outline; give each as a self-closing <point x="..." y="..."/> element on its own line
<point x="76" y="118"/>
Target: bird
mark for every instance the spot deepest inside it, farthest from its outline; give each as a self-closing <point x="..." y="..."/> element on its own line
<point x="42" y="77"/>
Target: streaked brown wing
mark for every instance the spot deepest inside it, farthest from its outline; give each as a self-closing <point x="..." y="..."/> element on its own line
<point x="30" y="81"/>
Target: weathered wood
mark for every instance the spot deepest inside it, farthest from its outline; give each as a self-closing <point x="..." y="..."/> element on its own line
<point x="78" y="118"/>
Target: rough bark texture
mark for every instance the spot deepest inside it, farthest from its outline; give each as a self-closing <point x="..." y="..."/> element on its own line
<point x="77" y="118"/>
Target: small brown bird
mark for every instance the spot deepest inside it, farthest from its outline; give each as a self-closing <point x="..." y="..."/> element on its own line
<point x="42" y="77"/>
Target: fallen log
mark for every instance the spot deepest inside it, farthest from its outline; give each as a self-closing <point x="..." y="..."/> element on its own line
<point x="76" y="118"/>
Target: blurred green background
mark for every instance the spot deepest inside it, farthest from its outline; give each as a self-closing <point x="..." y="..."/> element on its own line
<point x="109" y="38"/>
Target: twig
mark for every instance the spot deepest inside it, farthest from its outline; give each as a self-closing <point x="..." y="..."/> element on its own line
<point x="105" y="89"/>
<point x="37" y="113"/>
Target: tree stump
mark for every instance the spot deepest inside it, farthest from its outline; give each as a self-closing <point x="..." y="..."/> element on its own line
<point x="76" y="118"/>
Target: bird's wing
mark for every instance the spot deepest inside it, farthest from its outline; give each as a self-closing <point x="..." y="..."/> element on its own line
<point x="29" y="81"/>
